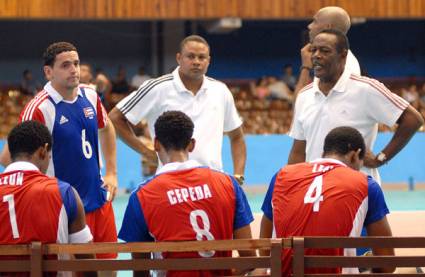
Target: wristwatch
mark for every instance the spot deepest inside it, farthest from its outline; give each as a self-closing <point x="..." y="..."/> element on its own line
<point x="239" y="178"/>
<point x="381" y="157"/>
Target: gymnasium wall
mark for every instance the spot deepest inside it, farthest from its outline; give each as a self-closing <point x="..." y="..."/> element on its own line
<point x="267" y="153"/>
<point x="384" y="48"/>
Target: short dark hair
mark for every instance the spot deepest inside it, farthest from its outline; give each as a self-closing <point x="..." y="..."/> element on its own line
<point x="341" y="39"/>
<point x="342" y="140"/>
<point x="26" y="137"/>
<point x="55" y="49"/>
<point x="195" y="38"/>
<point x="174" y="130"/>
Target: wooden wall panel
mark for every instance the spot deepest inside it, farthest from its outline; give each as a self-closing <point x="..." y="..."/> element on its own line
<point x="203" y="9"/>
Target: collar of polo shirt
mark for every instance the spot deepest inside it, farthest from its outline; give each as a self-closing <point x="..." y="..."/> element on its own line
<point x="180" y="86"/>
<point x="55" y="94"/>
<point x="340" y="85"/>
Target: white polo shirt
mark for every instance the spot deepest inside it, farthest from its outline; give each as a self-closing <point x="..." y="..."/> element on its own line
<point x="354" y="101"/>
<point x="212" y="110"/>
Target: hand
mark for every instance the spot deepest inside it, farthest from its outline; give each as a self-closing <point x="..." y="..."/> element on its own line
<point x="148" y="151"/>
<point x="110" y="183"/>
<point x="370" y="160"/>
<point x="306" y="56"/>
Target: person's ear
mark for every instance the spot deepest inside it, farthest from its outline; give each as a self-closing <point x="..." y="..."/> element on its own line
<point x="191" y="145"/>
<point x="43" y="152"/>
<point x="178" y="58"/>
<point x="156" y="145"/>
<point x="47" y="72"/>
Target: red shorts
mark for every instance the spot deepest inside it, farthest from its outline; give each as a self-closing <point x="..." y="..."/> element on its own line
<point x="102" y="226"/>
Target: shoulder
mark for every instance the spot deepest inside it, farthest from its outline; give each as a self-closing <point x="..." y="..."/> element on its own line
<point x="159" y="82"/>
<point x="305" y="89"/>
<point x="367" y="83"/>
<point x="88" y="89"/>
<point x="217" y="84"/>
<point x="34" y="104"/>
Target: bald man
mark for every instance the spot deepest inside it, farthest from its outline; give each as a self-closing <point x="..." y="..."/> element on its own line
<point x="326" y="18"/>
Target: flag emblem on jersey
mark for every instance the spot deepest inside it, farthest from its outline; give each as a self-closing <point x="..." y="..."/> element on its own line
<point x="63" y="120"/>
<point x="88" y="112"/>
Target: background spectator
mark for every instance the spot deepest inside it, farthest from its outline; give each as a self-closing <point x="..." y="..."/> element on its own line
<point x="139" y="78"/>
<point x="28" y="84"/>
<point x="288" y="78"/>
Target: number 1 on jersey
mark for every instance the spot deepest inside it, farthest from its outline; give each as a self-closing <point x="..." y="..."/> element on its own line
<point x="12" y="214"/>
<point x="316" y="188"/>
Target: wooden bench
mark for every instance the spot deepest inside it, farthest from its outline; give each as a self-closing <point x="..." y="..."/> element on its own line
<point x="301" y="261"/>
<point x="37" y="263"/>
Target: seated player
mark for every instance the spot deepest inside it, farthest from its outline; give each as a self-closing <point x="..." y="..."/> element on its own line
<point x="185" y="201"/>
<point x="327" y="197"/>
<point x="36" y="207"/>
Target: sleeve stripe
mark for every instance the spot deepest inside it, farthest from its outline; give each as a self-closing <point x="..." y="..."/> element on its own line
<point x="29" y="111"/>
<point x="307" y="87"/>
<point x="142" y="91"/>
<point x="399" y="103"/>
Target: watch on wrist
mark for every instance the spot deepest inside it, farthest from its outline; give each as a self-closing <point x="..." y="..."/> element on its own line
<point x="239" y="178"/>
<point x="382" y="157"/>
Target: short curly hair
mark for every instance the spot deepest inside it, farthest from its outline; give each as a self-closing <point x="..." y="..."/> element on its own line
<point x="26" y="137"/>
<point x="342" y="140"/>
<point x="174" y="130"/>
<point x="55" y="49"/>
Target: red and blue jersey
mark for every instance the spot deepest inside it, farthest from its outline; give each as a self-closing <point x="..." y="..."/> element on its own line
<point x="74" y="128"/>
<point x="184" y="204"/>
<point x="322" y="198"/>
<point x="34" y="207"/>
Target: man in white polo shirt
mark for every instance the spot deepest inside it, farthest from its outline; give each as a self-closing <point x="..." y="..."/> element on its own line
<point x="338" y="97"/>
<point x="208" y="102"/>
<point x="331" y="17"/>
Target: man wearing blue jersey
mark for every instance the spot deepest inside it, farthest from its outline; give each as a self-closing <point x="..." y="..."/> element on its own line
<point x="77" y="120"/>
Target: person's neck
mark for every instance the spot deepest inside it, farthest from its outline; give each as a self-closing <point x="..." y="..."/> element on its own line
<point x="174" y="156"/>
<point x="25" y="158"/>
<point x="67" y="94"/>
<point x="326" y="84"/>
<point x="192" y="85"/>
<point x="335" y="157"/>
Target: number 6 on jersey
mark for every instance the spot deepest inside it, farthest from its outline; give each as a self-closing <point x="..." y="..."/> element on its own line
<point x="87" y="149"/>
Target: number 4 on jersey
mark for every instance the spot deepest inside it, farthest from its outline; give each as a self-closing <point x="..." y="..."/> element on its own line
<point x="316" y="190"/>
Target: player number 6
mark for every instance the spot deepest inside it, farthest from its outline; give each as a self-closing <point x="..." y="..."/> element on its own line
<point x="87" y="150"/>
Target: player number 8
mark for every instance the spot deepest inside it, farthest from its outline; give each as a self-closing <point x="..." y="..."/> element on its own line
<point x="201" y="233"/>
<point x="87" y="150"/>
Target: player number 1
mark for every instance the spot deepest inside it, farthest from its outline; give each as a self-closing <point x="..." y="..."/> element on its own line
<point x="87" y="150"/>
<point x="316" y="186"/>
<point x="202" y="232"/>
<point x="12" y="214"/>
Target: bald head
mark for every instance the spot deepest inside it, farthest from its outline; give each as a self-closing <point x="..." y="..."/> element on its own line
<point x="329" y="18"/>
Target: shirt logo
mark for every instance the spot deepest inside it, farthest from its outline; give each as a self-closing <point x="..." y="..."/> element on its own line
<point x="63" y="120"/>
<point x="88" y="112"/>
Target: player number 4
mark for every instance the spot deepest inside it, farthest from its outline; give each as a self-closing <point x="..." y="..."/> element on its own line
<point x="316" y="190"/>
<point x="87" y="149"/>
<point x="202" y="232"/>
<point x="12" y="214"/>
